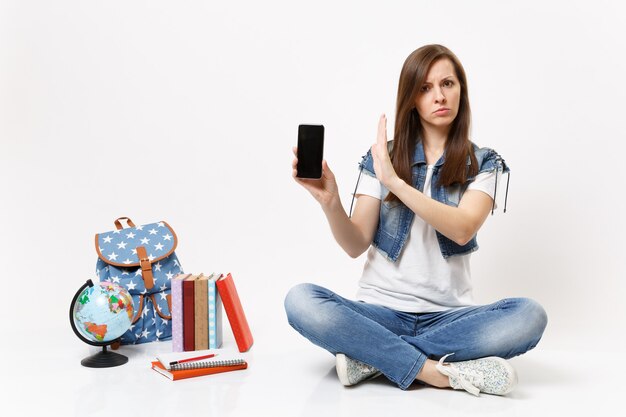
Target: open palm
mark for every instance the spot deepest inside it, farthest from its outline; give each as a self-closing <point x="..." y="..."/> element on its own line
<point x="382" y="162"/>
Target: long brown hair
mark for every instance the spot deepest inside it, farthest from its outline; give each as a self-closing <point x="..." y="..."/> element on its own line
<point x="408" y="127"/>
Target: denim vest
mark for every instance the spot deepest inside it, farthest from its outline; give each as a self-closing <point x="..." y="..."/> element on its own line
<point x="395" y="218"/>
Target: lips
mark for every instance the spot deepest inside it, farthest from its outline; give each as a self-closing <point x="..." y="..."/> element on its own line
<point x="442" y="111"/>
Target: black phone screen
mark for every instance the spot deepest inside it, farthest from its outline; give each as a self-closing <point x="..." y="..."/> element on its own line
<point x="310" y="151"/>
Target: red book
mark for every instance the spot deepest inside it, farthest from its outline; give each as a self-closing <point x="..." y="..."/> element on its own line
<point x="190" y="373"/>
<point x="189" y="337"/>
<point x="234" y="311"/>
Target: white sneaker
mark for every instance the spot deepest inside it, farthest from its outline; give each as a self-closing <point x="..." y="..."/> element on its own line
<point x="491" y="375"/>
<point x="351" y="371"/>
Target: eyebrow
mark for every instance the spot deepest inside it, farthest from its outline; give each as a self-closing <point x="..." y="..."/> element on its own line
<point x="443" y="79"/>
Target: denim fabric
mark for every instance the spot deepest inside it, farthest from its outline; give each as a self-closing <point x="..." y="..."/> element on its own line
<point x="395" y="218"/>
<point x="398" y="343"/>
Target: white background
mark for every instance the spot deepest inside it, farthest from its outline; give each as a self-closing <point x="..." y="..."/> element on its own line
<point x="187" y="111"/>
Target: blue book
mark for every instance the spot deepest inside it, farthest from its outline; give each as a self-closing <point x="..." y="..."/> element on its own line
<point x="215" y="314"/>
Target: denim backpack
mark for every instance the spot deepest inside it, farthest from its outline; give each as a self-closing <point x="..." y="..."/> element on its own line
<point x="142" y="260"/>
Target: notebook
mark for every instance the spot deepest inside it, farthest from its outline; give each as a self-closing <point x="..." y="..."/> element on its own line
<point x="190" y="373"/>
<point x="223" y="357"/>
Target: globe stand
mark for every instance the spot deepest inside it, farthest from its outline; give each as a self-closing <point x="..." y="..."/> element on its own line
<point x="104" y="359"/>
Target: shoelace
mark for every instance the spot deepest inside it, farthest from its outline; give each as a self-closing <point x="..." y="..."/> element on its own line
<point x="468" y="380"/>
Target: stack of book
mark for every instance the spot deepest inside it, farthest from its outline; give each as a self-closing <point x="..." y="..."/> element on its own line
<point x="197" y="312"/>
<point x="182" y="365"/>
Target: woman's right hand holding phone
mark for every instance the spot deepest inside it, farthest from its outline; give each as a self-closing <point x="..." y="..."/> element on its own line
<point x="324" y="190"/>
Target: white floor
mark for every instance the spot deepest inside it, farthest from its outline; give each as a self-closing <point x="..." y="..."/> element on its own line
<point x="292" y="379"/>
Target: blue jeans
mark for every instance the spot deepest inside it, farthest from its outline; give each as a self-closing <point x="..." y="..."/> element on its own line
<point x="398" y="343"/>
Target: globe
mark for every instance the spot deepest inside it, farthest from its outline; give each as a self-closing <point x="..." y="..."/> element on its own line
<point x="100" y="314"/>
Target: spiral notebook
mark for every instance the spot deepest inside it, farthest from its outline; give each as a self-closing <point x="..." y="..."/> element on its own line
<point x="190" y="373"/>
<point x="225" y="360"/>
<point x="206" y="364"/>
<point x="223" y="357"/>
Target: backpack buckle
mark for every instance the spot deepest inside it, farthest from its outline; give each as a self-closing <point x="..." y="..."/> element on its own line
<point x="146" y="267"/>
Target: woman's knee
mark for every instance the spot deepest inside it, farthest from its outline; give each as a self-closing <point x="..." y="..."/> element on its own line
<point x="535" y="317"/>
<point x="300" y="300"/>
<point x="304" y="305"/>
<point x="530" y="321"/>
<point x="519" y="328"/>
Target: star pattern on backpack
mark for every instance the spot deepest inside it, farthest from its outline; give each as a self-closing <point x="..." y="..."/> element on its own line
<point x="118" y="262"/>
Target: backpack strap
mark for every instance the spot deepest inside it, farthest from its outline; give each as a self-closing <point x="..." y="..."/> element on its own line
<point x="139" y="310"/>
<point x="158" y="309"/>
<point x="146" y="267"/>
<point x="119" y="226"/>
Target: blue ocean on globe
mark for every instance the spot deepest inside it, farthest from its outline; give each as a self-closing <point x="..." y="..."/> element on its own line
<point x="103" y="312"/>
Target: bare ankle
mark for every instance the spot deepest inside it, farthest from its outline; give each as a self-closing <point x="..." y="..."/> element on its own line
<point x="430" y="375"/>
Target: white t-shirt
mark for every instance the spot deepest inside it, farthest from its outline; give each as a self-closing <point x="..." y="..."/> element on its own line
<point x="421" y="280"/>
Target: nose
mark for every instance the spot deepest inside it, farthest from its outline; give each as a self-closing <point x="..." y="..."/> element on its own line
<point x="439" y="97"/>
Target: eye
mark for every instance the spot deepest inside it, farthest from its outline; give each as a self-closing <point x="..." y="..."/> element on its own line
<point x="424" y="89"/>
<point x="448" y="83"/>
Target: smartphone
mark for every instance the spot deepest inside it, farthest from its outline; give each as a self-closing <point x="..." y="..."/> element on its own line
<point x="310" y="151"/>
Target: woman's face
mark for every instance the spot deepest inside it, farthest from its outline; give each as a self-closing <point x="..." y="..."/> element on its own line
<point x="438" y="99"/>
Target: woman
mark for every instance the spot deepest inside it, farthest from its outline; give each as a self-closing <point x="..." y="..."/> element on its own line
<point x="423" y="198"/>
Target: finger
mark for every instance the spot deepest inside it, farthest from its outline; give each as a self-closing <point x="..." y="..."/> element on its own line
<point x="302" y="181"/>
<point x="385" y="128"/>
<point x="295" y="151"/>
<point x="326" y="170"/>
<point x="382" y="130"/>
<point x="307" y="184"/>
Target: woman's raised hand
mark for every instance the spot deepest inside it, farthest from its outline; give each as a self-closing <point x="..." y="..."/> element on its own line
<point x="324" y="190"/>
<point x="382" y="162"/>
